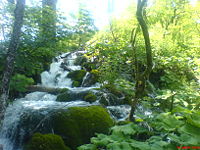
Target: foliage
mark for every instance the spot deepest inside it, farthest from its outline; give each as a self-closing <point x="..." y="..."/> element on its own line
<point x="19" y="83"/>
<point x="168" y="133"/>
<point x="84" y="28"/>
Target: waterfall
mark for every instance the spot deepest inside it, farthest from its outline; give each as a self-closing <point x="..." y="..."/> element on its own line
<point x="13" y="132"/>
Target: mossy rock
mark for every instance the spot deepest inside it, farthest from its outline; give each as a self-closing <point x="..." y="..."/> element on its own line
<point x="92" y="78"/>
<point x="89" y="66"/>
<point x="77" y="75"/>
<point x="71" y="96"/>
<point x="46" y="142"/>
<point x="63" y="97"/>
<point x="95" y="73"/>
<point x="90" y="97"/>
<point x="80" y="60"/>
<point x="77" y="125"/>
<point x="76" y="84"/>
<point x="103" y="101"/>
<point x="63" y="90"/>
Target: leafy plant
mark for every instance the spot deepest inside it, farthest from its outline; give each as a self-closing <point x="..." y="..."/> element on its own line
<point x="20" y="83"/>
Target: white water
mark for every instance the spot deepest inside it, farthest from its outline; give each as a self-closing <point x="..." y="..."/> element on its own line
<point x="11" y="134"/>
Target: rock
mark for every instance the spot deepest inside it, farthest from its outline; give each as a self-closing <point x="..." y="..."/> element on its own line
<point x="77" y="125"/>
<point x="46" y="142"/>
<point x="80" y="60"/>
<point x="77" y="75"/>
<point x="91" y="78"/>
<point x="33" y="88"/>
<point x="76" y="84"/>
<point x="88" y="66"/>
<point x="90" y="97"/>
<point x="65" y="67"/>
<point x="71" y="96"/>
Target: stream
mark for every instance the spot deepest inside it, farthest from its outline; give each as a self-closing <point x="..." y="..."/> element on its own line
<point x="13" y="132"/>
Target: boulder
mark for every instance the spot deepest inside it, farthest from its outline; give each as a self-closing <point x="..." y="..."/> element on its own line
<point x="77" y="76"/>
<point x="80" y="60"/>
<point x="90" y="97"/>
<point x="46" y="142"/>
<point x="71" y="96"/>
<point x="91" y="78"/>
<point x="77" y="125"/>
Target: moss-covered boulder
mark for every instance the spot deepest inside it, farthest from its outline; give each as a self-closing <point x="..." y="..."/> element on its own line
<point x="90" y="97"/>
<point x="64" y="97"/>
<point x="89" y="66"/>
<point x="46" y="142"/>
<point x="76" y="84"/>
<point x="77" y="125"/>
<point x="71" y="96"/>
<point x="91" y="78"/>
<point x="77" y="76"/>
<point x="80" y="60"/>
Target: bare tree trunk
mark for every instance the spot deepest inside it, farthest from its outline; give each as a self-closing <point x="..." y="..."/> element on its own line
<point x="12" y="50"/>
<point x="141" y="77"/>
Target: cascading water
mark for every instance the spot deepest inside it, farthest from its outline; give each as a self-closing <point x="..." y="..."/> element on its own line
<point x="13" y="133"/>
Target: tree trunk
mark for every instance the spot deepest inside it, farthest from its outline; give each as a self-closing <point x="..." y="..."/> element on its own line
<point x="141" y="77"/>
<point x="12" y="49"/>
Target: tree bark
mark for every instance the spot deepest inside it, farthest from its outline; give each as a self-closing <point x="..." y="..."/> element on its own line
<point x="141" y="77"/>
<point x="12" y="50"/>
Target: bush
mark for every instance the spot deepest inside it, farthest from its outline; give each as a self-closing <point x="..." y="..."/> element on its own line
<point x="20" y="83"/>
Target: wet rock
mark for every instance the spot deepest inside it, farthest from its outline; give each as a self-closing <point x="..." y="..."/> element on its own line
<point x="65" y="67"/>
<point x="77" y="75"/>
<point x="80" y="60"/>
<point x="46" y="142"/>
<point x="90" y="97"/>
<point x="91" y="78"/>
<point x="71" y="96"/>
<point x="78" y="124"/>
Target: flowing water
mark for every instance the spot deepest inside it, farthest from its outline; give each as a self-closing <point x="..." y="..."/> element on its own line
<point x="12" y="133"/>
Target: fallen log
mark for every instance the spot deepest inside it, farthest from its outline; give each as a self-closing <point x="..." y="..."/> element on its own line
<point x="51" y="90"/>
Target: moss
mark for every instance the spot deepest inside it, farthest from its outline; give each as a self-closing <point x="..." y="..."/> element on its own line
<point x="46" y="142"/>
<point x="76" y="84"/>
<point x="95" y="75"/>
<point x="63" y="90"/>
<point x="77" y="75"/>
<point x="103" y="101"/>
<point x="90" y="97"/>
<point x="62" y="97"/>
<point x="77" y="125"/>
<point x="80" y="60"/>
